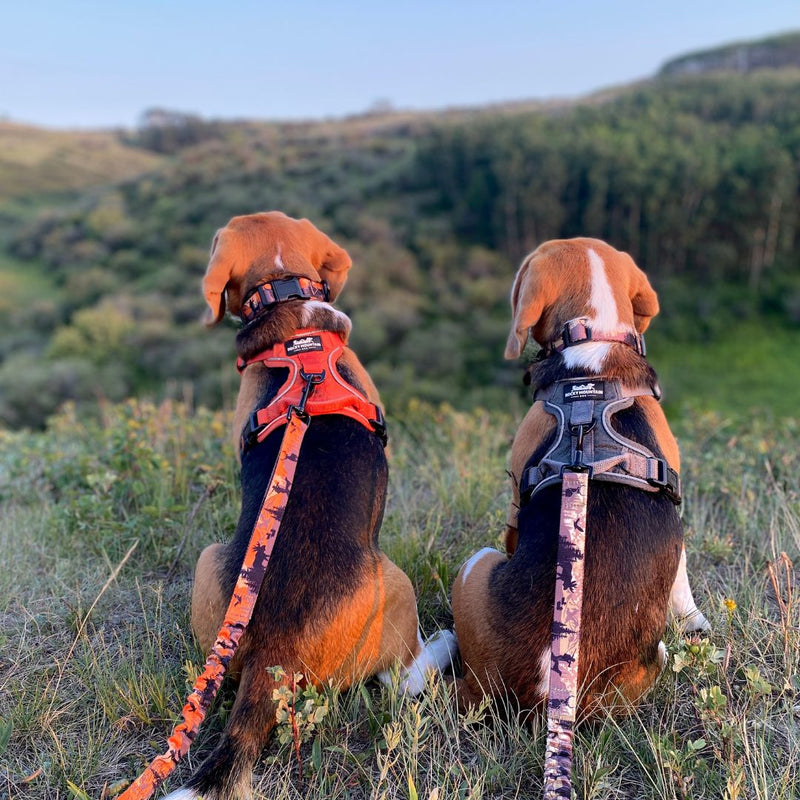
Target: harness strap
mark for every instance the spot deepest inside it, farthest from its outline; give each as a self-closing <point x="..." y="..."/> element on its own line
<point x="309" y="352"/>
<point x="237" y="617"/>
<point x="562" y="700"/>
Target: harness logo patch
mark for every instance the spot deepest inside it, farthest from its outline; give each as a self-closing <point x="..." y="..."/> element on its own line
<point x="588" y="390"/>
<point x="305" y="344"/>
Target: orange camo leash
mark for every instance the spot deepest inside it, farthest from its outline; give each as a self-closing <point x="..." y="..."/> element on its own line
<point x="238" y="615"/>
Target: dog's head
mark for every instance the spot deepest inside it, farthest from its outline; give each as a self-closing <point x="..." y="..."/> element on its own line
<point x="568" y="278"/>
<point x="259" y="247"/>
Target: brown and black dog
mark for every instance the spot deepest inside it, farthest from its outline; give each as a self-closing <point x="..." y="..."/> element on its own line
<point x="332" y="605"/>
<point x="635" y="563"/>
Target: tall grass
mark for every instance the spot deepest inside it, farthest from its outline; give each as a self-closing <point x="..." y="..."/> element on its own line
<point x="94" y="670"/>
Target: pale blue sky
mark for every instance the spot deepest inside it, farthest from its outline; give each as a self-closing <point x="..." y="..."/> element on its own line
<point x="87" y="63"/>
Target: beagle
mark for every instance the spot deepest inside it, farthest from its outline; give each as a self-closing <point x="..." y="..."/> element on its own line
<point x="587" y="305"/>
<point x="332" y="605"/>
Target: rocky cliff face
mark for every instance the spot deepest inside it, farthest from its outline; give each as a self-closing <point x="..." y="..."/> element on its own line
<point x="773" y="53"/>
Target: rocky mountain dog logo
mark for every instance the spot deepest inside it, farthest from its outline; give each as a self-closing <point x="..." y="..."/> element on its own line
<point x="305" y="344"/>
<point x="586" y="390"/>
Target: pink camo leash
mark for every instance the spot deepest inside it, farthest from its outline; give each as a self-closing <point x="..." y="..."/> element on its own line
<point x="565" y="637"/>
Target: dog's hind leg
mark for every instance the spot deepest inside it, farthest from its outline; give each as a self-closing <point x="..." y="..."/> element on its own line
<point x="209" y="602"/>
<point x="682" y="604"/>
<point x="477" y="638"/>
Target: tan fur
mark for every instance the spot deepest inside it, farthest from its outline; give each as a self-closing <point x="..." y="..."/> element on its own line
<point x="553" y="285"/>
<point x="473" y="617"/>
<point x="375" y="627"/>
<point x="535" y="427"/>
<point x="666" y="439"/>
<point x="209" y="603"/>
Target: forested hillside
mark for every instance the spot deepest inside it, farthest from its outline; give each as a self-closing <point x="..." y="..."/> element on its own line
<point x="696" y="177"/>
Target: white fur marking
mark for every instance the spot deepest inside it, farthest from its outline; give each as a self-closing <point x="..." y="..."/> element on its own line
<point x="590" y="355"/>
<point x="544" y="671"/>
<point x="473" y="560"/>
<point x="434" y="655"/>
<point x="279" y="261"/>
<point x="311" y="306"/>
<point x="681" y="601"/>
<point x="662" y="655"/>
<point x="606" y="317"/>
<point x="182" y="794"/>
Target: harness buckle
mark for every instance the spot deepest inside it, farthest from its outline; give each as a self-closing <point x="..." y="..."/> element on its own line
<point x="580" y="431"/>
<point x="379" y="426"/>
<point x="667" y="480"/>
<point x="287" y="289"/>
<point x="311" y="379"/>
<point x="251" y="432"/>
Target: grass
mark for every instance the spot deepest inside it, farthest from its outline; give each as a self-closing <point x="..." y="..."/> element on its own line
<point x="37" y="161"/>
<point x="745" y="369"/>
<point x="101" y="524"/>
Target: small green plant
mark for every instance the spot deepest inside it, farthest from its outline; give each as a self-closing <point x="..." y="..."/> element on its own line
<point x="300" y="708"/>
<point x="701" y="656"/>
<point x="684" y="764"/>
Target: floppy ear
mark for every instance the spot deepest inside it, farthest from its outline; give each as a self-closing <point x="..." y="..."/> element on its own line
<point x="330" y="260"/>
<point x="527" y="305"/>
<point x="218" y="273"/>
<point x="643" y="300"/>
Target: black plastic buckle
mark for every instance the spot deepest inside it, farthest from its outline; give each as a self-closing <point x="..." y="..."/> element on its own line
<point x="250" y="433"/>
<point x="379" y="426"/>
<point x="311" y="379"/>
<point x="668" y="481"/>
<point x="578" y="465"/>
<point x="287" y="289"/>
<point x="526" y="486"/>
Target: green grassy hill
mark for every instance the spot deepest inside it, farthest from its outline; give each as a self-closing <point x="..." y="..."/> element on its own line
<point x="35" y="161"/>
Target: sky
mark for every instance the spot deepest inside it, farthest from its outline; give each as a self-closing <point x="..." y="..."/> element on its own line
<point x="74" y="63"/>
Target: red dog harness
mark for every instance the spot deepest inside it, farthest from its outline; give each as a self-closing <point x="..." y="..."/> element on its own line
<point x="314" y="383"/>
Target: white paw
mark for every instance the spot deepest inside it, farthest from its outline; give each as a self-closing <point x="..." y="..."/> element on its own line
<point x="662" y="655"/>
<point x="693" y="622"/>
<point x="182" y="794"/>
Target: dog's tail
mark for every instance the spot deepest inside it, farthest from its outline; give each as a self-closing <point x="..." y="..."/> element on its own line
<point x="226" y="772"/>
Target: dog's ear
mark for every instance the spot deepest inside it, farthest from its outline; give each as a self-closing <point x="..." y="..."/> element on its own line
<point x="529" y="297"/>
<point x="643" y="300"/>
<point x="330" y="260"/>
<point x="218" y="273"/>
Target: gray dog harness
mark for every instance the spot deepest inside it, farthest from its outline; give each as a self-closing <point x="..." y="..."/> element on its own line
<point x="586" y="441"/>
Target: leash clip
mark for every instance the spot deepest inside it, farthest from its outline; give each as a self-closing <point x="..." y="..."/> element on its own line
<point x="311" y="379"/>
<point x="578" y="465"/>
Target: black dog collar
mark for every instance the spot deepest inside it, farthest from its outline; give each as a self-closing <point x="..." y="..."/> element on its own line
<point x="279" y="290"/>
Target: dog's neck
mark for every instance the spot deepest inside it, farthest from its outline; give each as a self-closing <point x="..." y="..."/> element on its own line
<point x="615" y="361"/>
<point x="284" y="320"/>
